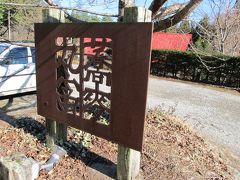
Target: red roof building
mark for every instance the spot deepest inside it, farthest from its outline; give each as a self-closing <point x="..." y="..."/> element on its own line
<point x="160" y="40"/>
<point x="171" y="41"/>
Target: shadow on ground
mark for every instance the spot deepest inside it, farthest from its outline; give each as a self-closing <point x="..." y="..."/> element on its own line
<point x="90" y="159"/>
<point x="38" y="130"/>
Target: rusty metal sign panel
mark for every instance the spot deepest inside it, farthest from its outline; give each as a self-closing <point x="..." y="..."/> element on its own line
<point x="94" y="77"/>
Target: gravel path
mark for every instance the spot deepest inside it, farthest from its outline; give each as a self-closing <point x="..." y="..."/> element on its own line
<point x="214" y="112"/>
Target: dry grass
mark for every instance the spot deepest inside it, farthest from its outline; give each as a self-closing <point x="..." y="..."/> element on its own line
<point x="172" y="150"/>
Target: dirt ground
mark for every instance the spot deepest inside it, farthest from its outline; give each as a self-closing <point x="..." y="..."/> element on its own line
<point x="172" y="150"/>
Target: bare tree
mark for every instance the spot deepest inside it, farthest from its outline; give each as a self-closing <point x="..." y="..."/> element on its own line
<point x="163" y="17"/>
<point x="225" y="33"/>
<point x="182" y="11"/>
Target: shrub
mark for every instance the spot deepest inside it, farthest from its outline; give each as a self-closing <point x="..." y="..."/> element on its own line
<point x="216" y="69"/>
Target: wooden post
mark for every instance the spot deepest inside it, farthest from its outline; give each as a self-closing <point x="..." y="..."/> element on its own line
<point x="55" y="132"/>
<point x="61" y="133"/>
<point x="128" y="160"/>
<point x="50" y="132"/>
<point x="128" y="163"/>
<point x="137" y="14"/>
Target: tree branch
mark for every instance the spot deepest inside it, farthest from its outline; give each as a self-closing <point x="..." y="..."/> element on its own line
<point x="176" y="18"/>
<point x="155" y="6"/>
<point x="2" y="33"/>
<point x="163" y="12"/>
<point x="54" y="6"/>
<point x="2" y="40"/>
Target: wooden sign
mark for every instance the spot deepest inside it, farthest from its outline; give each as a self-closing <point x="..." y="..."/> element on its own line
<point x="94" y="77"/>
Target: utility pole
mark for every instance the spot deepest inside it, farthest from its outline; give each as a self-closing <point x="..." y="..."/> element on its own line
<point x="9" y="25"/>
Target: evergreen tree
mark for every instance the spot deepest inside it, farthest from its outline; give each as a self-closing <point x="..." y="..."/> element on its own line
<point x="184" y="27"/>
<point x="172" y="29"/>
<point x="202" y="34"/>
<point x="21" y="19"/>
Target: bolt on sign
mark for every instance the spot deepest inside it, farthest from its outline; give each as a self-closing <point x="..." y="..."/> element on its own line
<point x="94" y="77"/>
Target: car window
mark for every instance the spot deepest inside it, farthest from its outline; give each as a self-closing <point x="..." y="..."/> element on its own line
<point x="33" y="54"/>
<point x="17" y="55"/>
<point x="2" y="48"/>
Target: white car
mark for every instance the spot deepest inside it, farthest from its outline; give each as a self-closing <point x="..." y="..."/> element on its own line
<point x="4" y="46"/>
<point x="17" y="70"/>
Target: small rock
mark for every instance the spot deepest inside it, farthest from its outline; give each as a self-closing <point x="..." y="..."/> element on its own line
<point x="18" y="167"/>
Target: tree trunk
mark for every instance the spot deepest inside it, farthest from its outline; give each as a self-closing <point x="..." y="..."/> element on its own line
<point x="176" y="18"/>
